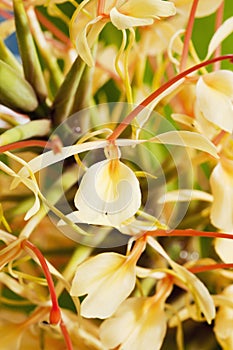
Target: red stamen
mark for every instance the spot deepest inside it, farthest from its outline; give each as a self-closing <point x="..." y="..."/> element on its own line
<point x="120" y="128"/>
<point x="55" y="313"/>
<point x="66" y="336"/>
<point x="189" y="233"/>
<point x="188" y="35"/>
<point x="204" y="268"/>
<point x="24" y="144"/>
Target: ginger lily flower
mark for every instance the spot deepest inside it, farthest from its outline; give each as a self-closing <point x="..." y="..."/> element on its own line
<point x="109" y="193"/>
<point x="107" y="279"/>
<point x="214" y="93"/>
<point x="224" y="319"/>
<point x="87" y="23"/>
<point x="139" y="323"/>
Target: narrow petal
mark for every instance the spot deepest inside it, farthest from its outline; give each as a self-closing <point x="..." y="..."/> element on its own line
<point x="222" y="33"/>
<point x="200" y="293"/>
<point x="185" y="196"/>
<point x="187" y="139"/>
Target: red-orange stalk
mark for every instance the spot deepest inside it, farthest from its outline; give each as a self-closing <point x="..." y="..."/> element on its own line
<point x="188" y="35"/>
<point x="55" y="312"/>
<point x="189" y="233"/>
<point x="23" y="144"/>
<point x="218" y="22"/>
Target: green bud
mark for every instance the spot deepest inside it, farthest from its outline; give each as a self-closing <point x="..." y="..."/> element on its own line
<point x="22" y="132"/>
<point x="15" y="92"/>
<point x="31" y="64"/>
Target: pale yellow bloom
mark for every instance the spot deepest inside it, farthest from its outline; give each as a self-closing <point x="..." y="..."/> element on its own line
<point x="224" y="320"/>
<point x="107" y="279"/>
<point x="204" y="8"/>
<point x="87" y="23"/>
<point x="214" y="92"/>
<point x="139" y="323"/>
<point x="221" y="182"/>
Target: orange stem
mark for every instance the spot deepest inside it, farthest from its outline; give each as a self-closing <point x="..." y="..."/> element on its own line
<point x="204" y="268"/>
<point x="188" y="34"/>
<point x="218" y="22"/>
<point x="23" y="144"/>
<point x="189" y="233"/>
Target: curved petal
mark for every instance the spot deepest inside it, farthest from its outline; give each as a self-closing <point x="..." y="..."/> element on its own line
<point x="107" y="279"/>
<point x="122" y="21"/>
<point x="224" y="249"/>
<point x="222" y="33"/>
<point x="109" y="193"/>
<point x="148" y="8"/>
<point x="139" y="323"/>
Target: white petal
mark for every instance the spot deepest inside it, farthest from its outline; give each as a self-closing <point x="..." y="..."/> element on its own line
<point x="109" y="193"/>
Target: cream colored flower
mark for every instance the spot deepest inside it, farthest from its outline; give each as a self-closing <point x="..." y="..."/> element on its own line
<point x="224" y="320"/>
<point x="221" y="182"/>
<point x="87" y="23"/>
<point x="214" y="92"/>
<point x="204" y="8"/>
<point x="107" y="279"/>
<point x="139" y="323"/>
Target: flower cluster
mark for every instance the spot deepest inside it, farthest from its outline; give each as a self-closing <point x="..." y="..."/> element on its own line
<point x="116" y="174"/>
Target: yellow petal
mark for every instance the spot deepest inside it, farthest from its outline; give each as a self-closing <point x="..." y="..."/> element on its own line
<point x="224" y="248"/>
<point x="109" y="192"/>
<point x="214" y="98"/>
<point x="221" y="182"/>
<point x="122" y="21"/>
<point x="107" y="279"/>
<point x="138" y="324"/>
<point x="224" y="320"/>
<point x="147" y="8"/>
<point x="200" y="293"/>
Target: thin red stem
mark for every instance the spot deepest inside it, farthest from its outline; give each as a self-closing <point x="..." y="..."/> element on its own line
<point x="204" y="268"/>
<point x="218" y="22"/>
<point x="55" y="313"/>
<point x="189" y="233"/>
<point x="120" y="128"/>
<point x="66" y="336"/>
<point x="24" y="144"/>
<point x="188" y="35"/>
